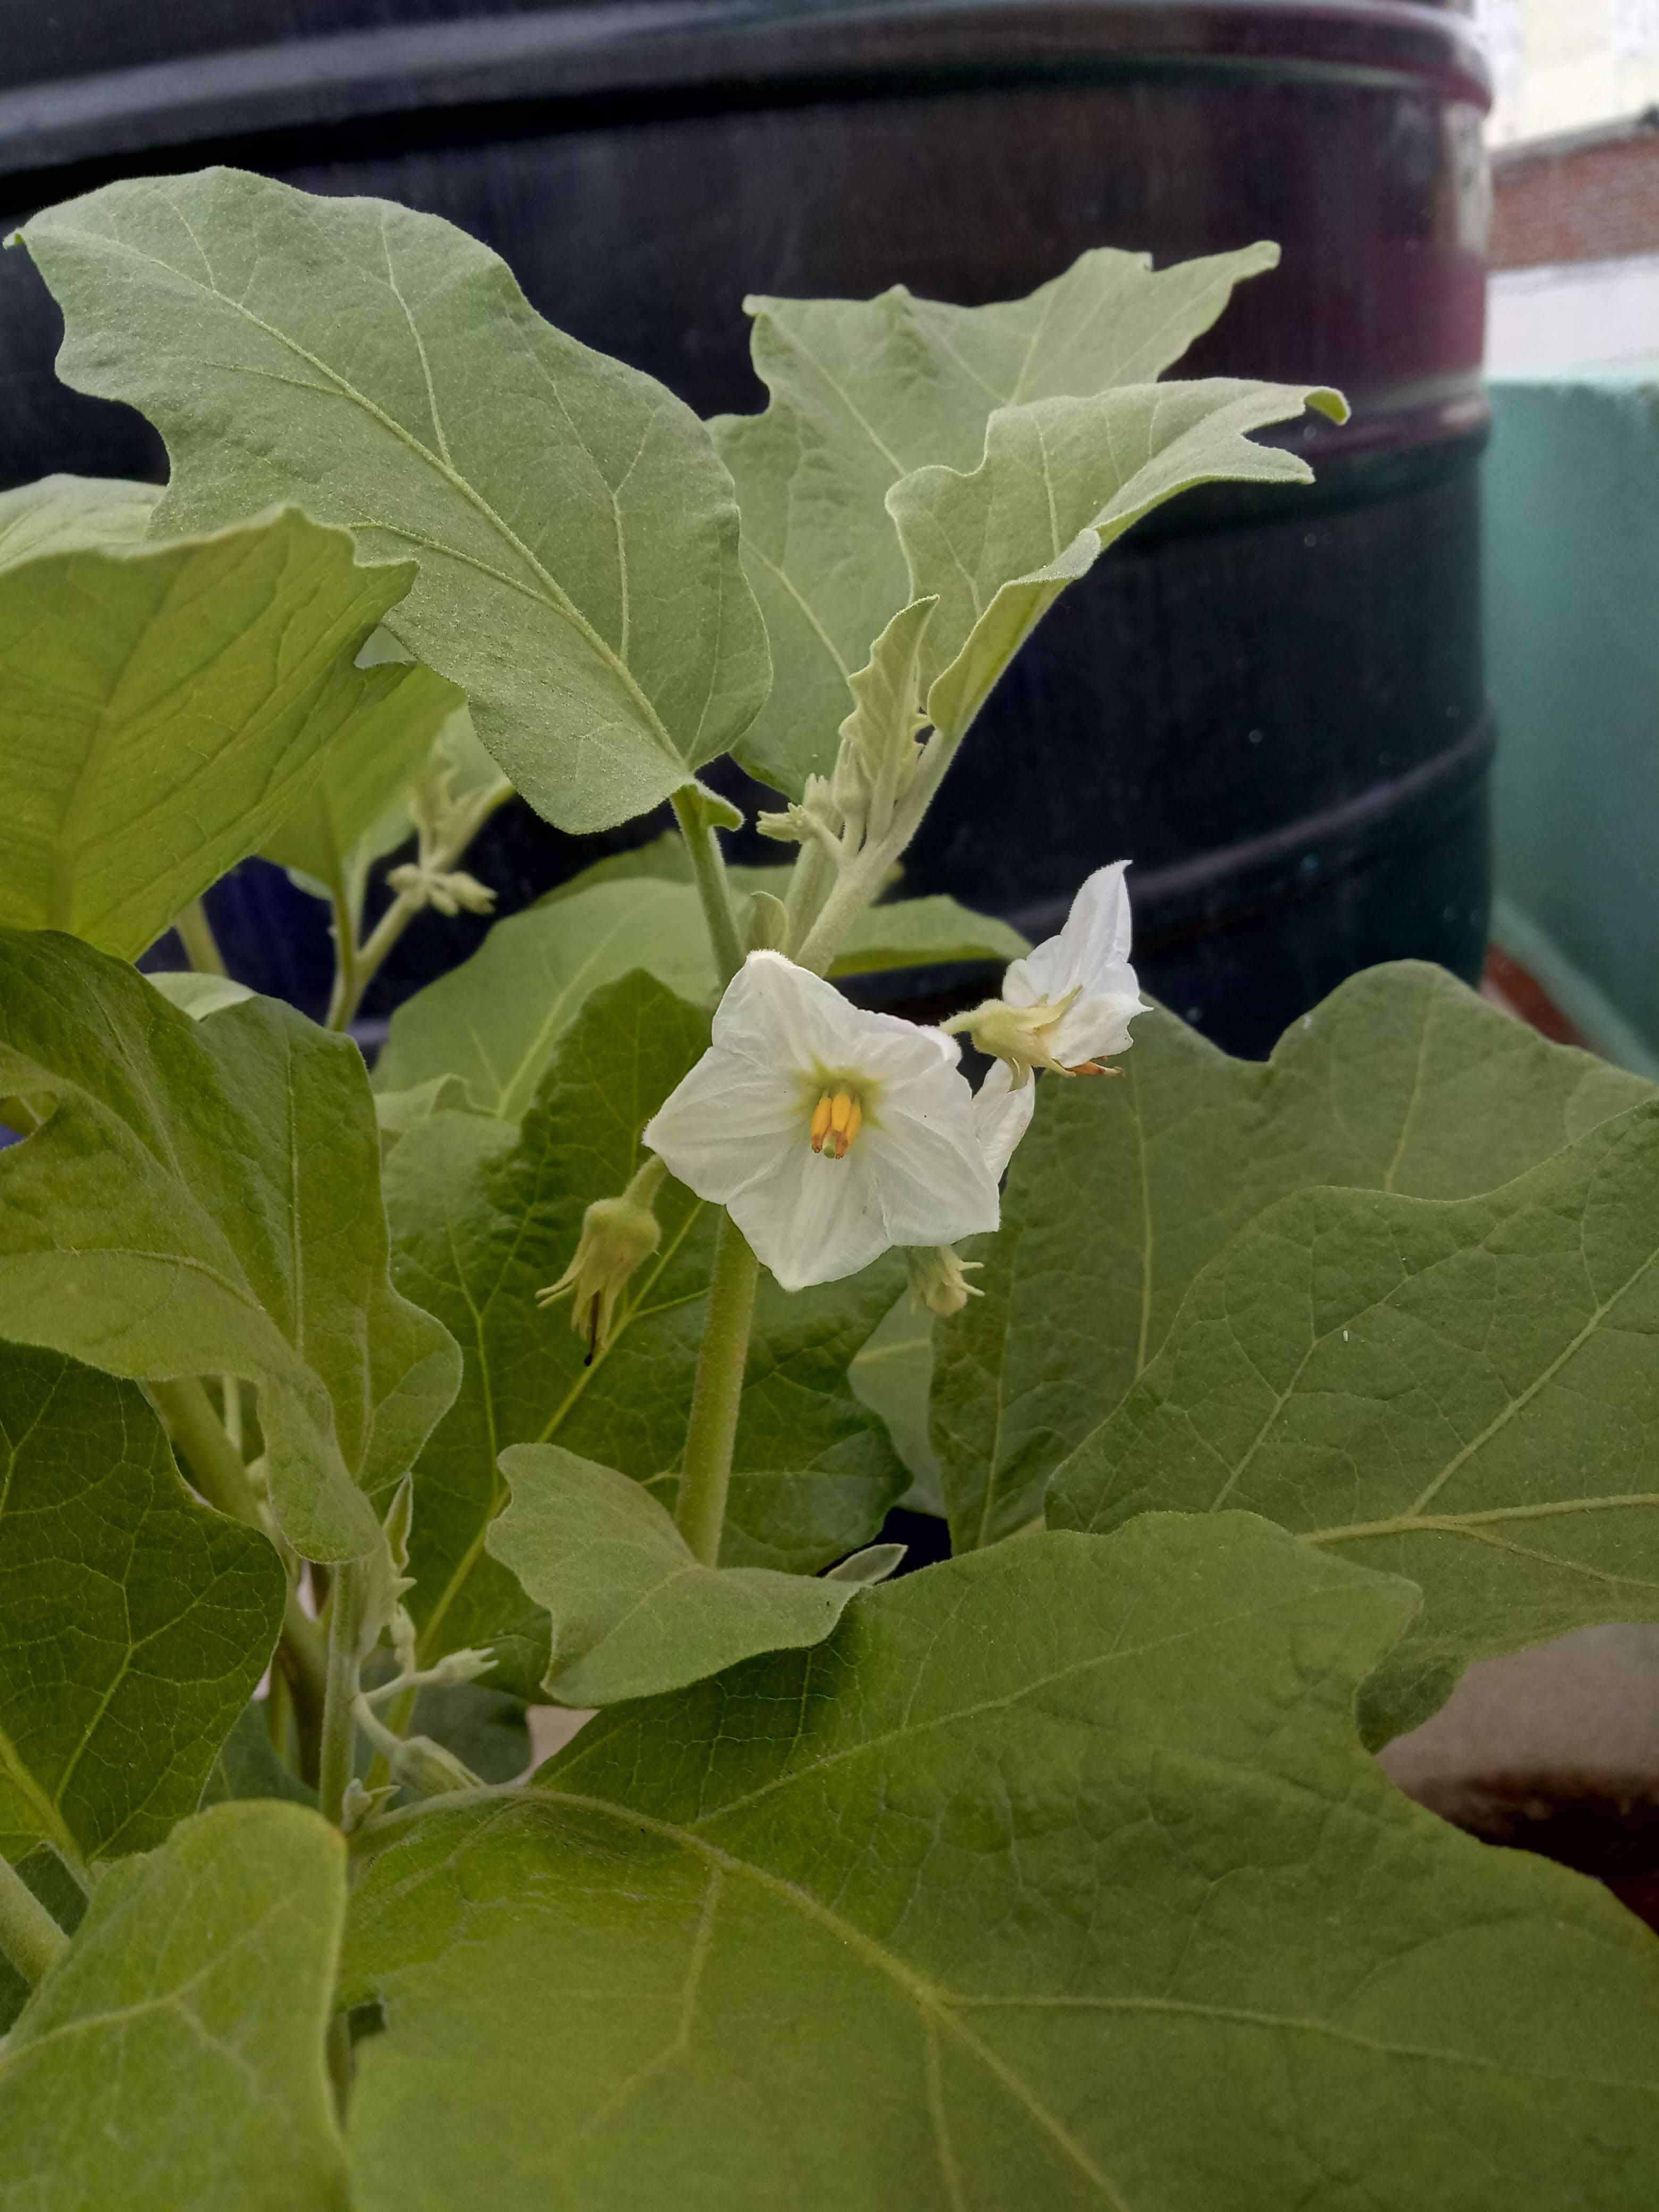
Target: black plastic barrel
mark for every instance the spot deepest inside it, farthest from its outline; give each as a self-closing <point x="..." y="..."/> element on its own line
<point x="1273" y="702"/>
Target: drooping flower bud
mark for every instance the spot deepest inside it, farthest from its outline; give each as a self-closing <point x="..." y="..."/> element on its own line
<point x="618" y="1236"/>
<point x="938" y="1280"/>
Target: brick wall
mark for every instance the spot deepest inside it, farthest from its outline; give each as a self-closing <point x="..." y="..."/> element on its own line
<point x="1585" y="202"/>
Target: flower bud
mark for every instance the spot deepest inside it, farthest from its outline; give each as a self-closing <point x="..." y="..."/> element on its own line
<point x="937" y="1278"/>
<point x="448" y="889"/>
<point x="619" y="1235"/>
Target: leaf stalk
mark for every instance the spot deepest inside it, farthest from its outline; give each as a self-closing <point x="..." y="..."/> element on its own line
<point x="29" y="1936"/>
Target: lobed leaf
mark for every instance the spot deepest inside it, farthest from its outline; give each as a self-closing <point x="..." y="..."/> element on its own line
<point x="575" y="532"/>
<point x="164" y="707"/>
<point x="1060" y="481"/>
<point x="485" y="1213"/>
<point x="204" y="1199"/>
<point x="61" y="512"/>
<point x="1462" y="1392"/>
<point x="1056" y="1876"/>
<point x="1402" y="1080"/>
<point x="634" y="1611"/>
<point x="173" y="2060"/>
<point x="862" y="392"/>
<point x="134" y="1622"/>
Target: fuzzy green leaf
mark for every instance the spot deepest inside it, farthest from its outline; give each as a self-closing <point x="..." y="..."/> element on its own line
<point x="862" y="392"/>
<point x="173" y="2061"/>
<point x="576" y="534"/>
<point x="1056" y="1877"/>
<point x="204" y="1200"/>
<point x="495" y="1021"/>
<point x="485" y="1213"/>
<point x="1402" y="1080"/>
<point x="134" y="1622"/>
<point x="61" y="512"/>
<point x="634" y="1612"/>
<point x="1461" y="1392"/>
<point x="1062" y="480"/>
<point x="162" y="708"/>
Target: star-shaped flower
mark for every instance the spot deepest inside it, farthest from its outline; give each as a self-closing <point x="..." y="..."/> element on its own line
<point x="828" y="1133"/>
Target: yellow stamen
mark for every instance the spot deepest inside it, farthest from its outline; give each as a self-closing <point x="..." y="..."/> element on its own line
<point x="821" y="1115"/>
<point x="841" y="1107"/>
<point x="855" y="1123"/>
<point x="836" y="1120"/>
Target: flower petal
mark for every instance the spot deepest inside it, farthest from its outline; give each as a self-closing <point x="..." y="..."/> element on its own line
<point x="1095" y="939"/>
<point x="810" y="1219"/>
<point x="726" y="1123"/>
<point x="1097" y="1025"/>
<point x="1002" y="1115"/>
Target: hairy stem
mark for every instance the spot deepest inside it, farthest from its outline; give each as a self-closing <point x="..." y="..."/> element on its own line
<point x="29" y="1936"/>
<point x="717" y="1393"/>
<point x="862" y="879"/>
<point x="216" y="1468"/>
<point x="201" y="946"/>
<point x="345" y="1621"/>
<point x="714" y="889"/>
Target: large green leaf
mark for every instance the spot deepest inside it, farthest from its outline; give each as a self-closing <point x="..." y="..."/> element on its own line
<point x="862" y="392"/>
<point x="204" y="1200"/>
<point x="634" y="1612"/>
<point x="60" y="512"/>
<point x="1057" y="1877"/>
<point x="163" y="707"/>
<point x="134" y="1622"/>
<point x="1062" y="480"/>
<point x="1462" y="1391"/>
<point x="1402" y="1080"/>
<point x="173" y="2061"/>
<point x="495" y="1021"/>
<point x="484" y="1214"/>
<point x="576" y="534"/>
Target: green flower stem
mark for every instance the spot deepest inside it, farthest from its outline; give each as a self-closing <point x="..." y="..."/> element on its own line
<point x="216" y="1468"/>
<point x="717" y="1393"/>
<point x="809" y="883"/>
<point x="356" y="965"/>
<point x="345" y="1623"/>
<point x="713" y="887"/>
<point x="201" y="946"/>
<point x="29" y="1936"/>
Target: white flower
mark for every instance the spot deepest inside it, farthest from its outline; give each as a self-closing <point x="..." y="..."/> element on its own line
<point x="828" y="1133"/>
<point x="1068" y="1004"/>
<point x="1002" y="1115"/>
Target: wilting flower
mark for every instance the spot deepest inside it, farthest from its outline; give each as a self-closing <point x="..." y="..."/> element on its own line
<point x="1068" y="1004"/>
<point x="828" y="1133"/>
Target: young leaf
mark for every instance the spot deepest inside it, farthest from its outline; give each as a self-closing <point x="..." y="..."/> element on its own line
<point x="484" y="1214"/>
<point x="173" y="2061"/>
<point x="576" y="534"/>
<point x="495" y="1021"/>
<point x="1002" y="1896"/>
<point x="1402" y="1080"/>
<point x="1062" y="480"/>
<point x="204" y="1200"/>
<point x="134" y="1622"/>
<point x="634" y="1613"/>
<point x="366" y="771"/>
<point x="1463" y="1393"/>
<point x="865" y="390"/>
<point x="162" y="708"/>
<point x="61" y="512"/>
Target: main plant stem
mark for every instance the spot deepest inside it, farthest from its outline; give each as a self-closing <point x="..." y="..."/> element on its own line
<point x="345" y="1621"/>
<point x="714" y="889"/>
<point x="216" y="1469"/>
<point x="29" y="1936"/>
<point x="861" y="878"/>
<point x="717" y="1393"/>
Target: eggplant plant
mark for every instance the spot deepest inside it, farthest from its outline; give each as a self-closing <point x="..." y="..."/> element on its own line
<point x="575" y="1356"/>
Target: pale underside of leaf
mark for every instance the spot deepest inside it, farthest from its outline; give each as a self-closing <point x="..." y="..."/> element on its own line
<point x="576" y="536"/>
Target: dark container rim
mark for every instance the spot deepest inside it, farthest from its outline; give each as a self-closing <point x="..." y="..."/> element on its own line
<point x="741" y="50"/>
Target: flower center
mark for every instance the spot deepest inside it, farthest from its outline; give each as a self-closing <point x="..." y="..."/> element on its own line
<point x="836" y="1120"/>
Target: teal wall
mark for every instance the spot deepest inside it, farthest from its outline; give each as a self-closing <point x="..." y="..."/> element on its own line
<point x="1571" y="548"/>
